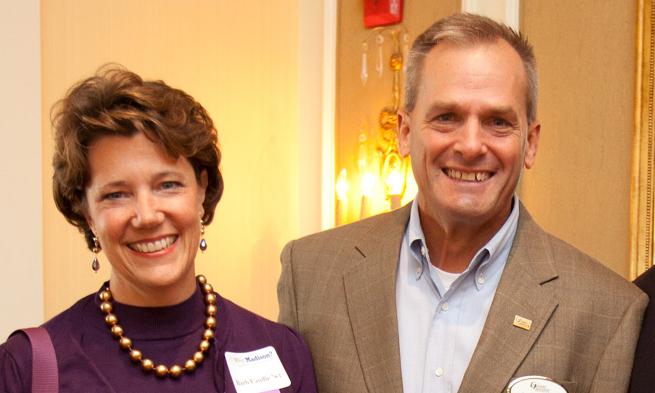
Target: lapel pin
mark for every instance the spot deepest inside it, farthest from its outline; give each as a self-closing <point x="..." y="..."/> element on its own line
<point x="521" y="322"/>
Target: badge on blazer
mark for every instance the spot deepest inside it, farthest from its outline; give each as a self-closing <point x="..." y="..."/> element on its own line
<point x="257" y="371"/>
<point x="534" y="384"/>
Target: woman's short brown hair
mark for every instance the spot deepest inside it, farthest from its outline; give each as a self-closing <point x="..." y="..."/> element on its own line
<point x="118" y="102"/>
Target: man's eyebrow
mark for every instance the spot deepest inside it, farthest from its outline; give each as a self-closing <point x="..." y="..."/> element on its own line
<point x="502" y="111"/>
<point x="445" y="106"/>
<point x="440" y="106"/>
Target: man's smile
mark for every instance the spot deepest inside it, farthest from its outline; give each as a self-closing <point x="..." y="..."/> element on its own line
<point x="474" y="176"/>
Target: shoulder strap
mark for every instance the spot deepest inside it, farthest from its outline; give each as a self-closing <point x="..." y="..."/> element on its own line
<point x="45" y="376"/>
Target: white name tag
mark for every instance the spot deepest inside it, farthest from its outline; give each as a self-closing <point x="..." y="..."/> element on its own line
<point x="257" y="371"/>
<point x="534" y="384"/>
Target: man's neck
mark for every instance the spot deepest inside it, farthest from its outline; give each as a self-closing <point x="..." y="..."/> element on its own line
<point x="452" y="245"/>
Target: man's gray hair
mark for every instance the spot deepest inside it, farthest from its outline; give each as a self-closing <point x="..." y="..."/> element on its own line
<point x="468" y="30"/>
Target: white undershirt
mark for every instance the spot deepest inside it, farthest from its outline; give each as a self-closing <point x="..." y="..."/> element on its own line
<point x="446" y="278"/>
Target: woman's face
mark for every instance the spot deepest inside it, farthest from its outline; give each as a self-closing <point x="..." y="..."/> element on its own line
<point x="145" y="208"/>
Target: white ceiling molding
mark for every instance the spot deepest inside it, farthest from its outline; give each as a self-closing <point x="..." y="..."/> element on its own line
<point x="328" y="113"/>
<point x="505" y="11"/>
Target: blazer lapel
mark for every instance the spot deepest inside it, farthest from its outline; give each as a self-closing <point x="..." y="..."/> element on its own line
<point x="503" y="346"/>
<point x="370" y="288"/>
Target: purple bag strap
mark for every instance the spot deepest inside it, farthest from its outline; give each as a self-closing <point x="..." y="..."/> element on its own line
<point x="45" y="375"/>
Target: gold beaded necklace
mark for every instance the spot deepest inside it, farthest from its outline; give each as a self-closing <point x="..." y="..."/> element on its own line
<point x="148" y="365"/>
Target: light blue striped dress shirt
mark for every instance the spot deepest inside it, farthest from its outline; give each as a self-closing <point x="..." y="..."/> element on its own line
<point x="439" y="329"/>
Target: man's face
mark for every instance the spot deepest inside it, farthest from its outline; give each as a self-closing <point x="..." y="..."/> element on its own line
<point x="468" y="135"/>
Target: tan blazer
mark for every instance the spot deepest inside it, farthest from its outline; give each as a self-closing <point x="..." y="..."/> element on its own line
<point x="338" y="289"/>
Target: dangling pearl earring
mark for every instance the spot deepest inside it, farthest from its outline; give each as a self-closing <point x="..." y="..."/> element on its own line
<point x="203" y="242"/>
<point x="95" y="264"/>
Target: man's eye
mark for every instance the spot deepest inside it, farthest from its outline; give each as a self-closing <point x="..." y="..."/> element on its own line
<point x="446" y="117"/>
<point x="500" y="123"/>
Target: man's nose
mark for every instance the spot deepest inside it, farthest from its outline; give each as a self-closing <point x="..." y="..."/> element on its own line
<point x="470" y="142"/>
<point x="146" y="211"/>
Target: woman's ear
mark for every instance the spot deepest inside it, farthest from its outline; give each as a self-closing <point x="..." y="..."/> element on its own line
<point x="87" y="216"/>
<point x="202" y="185"/>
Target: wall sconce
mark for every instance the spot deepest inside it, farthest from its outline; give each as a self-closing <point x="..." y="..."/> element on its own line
<point x="381" y="170"/>
<point x="342" y="197"/>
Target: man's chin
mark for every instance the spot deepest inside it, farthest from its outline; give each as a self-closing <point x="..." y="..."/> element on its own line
<point x="469" y="211"/>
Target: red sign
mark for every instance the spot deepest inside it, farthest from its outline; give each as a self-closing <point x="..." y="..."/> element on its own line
<point x="382" y="12"/>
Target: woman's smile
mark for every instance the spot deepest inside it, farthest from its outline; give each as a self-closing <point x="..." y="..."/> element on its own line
<point x="154" y="246"/>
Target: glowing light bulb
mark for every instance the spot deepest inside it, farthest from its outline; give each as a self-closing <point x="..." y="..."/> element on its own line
<point x="394" y="182"/>
<point x="342" y="185"/>
<point x="367" y="184"/>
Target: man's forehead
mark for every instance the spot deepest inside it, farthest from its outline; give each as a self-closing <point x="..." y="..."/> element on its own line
<point x="454" y="72"/>
<point x="451" y="59"/>
<point x="447" y="47"/>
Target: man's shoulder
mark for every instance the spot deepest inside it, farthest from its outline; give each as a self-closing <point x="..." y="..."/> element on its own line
<point x="343" y="245"/>
<point x="373" y="227"/>
<point x="576" y="268"/>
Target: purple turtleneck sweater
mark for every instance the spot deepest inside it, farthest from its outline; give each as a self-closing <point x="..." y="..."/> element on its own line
<point x="90" y="360"/>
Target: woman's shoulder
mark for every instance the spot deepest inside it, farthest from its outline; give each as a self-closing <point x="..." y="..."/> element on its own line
<point x="16" y="352"/>
<point x="15" y="364"/>
<point x="19" y="341"/>
<point x="247" y="331"/>
<point x="254" y="326"/>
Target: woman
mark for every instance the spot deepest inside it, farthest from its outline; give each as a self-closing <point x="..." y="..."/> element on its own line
<point x="136" y="169"/>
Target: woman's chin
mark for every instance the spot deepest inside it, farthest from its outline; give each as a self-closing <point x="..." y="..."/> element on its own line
<point x="155" y="285"/>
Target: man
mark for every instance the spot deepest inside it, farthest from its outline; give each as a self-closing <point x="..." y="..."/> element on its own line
<point x="643" y="377"/>
<point x="461" y="291"/>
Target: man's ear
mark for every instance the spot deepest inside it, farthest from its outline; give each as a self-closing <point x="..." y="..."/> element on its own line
<point x="532" y="143"/>
<point x="403" y="132"/>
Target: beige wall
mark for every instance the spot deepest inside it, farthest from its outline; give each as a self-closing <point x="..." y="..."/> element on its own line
<point x="241" y="60"/>
<point x="580" y="186"/>
<point x="21" y="281"/>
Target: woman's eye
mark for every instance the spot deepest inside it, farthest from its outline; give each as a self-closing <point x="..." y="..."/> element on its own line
<point x="113" y="195"/>
<point x="169" y="185"/>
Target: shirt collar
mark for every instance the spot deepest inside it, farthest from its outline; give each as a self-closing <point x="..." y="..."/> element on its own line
<point x="498" y="244"/>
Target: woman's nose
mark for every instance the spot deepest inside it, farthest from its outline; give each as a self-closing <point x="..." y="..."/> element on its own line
<point x="146" y="211"/>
